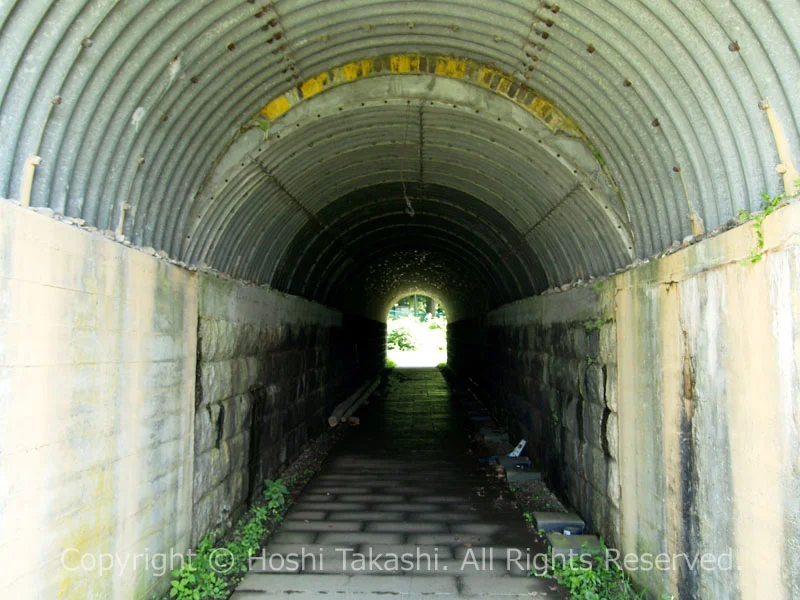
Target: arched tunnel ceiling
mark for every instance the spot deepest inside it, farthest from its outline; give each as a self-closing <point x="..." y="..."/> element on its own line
<point x="538" y="142"/>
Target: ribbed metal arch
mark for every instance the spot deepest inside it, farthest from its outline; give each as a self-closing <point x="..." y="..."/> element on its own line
<point x="393" y="269"/>
<point x="358" y="223"/>
<point x="455" y="286"/>
<point x="132" y="103"/>
<point x="458" y="149"/>
<point x="387" y="239"/>
<point x="431" y="226"/>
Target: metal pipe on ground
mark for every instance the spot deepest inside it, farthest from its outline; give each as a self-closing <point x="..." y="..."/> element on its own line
<point x="345" y="410"/>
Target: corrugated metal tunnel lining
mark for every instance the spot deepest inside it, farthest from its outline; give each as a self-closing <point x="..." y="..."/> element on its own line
<point x="141" y="111"/>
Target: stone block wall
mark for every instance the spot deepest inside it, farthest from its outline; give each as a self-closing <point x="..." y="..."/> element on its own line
<point x="271" y="368"/>
<point x="547" y="367"/>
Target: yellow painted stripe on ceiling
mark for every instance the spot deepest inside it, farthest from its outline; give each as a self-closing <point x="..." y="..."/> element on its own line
<point x="443" y="66"/>
<point x="314" y="85"/>
<point x="276" y="108"/>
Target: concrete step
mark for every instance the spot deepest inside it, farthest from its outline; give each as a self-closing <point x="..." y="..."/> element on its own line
<point x="513" y="463"/>
<point x="523" y="475"/>
<point x="568" y="546"/>
<point x="558" y="522"/>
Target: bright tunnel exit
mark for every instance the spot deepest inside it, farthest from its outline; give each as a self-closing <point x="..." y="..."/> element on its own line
<point x="416" y="332"/>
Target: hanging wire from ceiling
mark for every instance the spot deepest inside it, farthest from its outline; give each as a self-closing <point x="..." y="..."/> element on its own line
<point x="409" y="209"/>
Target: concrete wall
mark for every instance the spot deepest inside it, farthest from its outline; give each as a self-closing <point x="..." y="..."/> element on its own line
<point x="141" y="403"/>
<point x="97" y="376"/>
<point x="709" y="406"/>
<point x="704" y="398"/>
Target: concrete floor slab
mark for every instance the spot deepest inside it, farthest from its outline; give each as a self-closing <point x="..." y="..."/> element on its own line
<point x="371" y="498"/>
<point x="293" y="537"/>
<point x="408" y="527"/>
<point x="330" y="505"/>
<point x="510" y="587"/>
<point x="321" y="526"/>
<point x="302" y="515"/>
<point x="361" y="538"/>
<point x="402" y="484"/>
<point x="448" y="517"/>
<point x="368" y="516"/>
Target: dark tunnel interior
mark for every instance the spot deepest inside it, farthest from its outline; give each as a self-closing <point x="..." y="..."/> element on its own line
<point x="251" y="185"/>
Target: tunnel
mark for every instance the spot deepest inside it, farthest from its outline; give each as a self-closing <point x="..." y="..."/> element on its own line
<point x="209" y="207"/>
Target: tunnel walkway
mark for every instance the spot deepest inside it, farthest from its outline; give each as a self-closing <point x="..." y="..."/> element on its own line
<point x="403" y="484"/>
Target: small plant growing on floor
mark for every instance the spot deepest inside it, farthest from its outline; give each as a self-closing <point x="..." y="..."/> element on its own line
<point x="204" y="577"/>
<point x="197" y="578"/>
<point x="275" y="493"/>
<point x="590" y="576"/>
<point x="390" y="364"/>
<point x="217" y="565"/>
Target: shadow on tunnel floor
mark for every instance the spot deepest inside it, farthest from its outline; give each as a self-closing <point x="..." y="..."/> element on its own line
<point x="401" y="508"/>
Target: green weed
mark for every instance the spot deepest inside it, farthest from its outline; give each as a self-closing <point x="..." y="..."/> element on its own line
<point x="275" y="493"/>
<point x="206" y="576"/>
<point x="768" y="205"/>
<point x="590" y="576"/>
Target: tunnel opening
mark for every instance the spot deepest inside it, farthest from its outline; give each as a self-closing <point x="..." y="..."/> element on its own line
<point x="416" y="333"/>
<point x="210" y="209"/>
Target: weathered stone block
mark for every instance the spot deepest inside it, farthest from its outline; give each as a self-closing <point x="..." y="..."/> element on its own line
<point x="578" y="342"/>
<point x="593" y="423"/>
<point x="225" y="379"/>
<point x="210" y="469"/>
<point x="564" y="375"/>
<point x="594" y="467"/>
<point x="570" y="415"/>
<point x="593" y="384"/>
<point x="604" y="517"/>
<point x="547" y="376"/>
<point x="614" y="490"/>
<point x="611" y="387"/>
<point x="205" y="428"/>
<point x="608" y="343"/>
<point x="593" y="344"/>
<point x="217" y="340"/>
<point x="612" y="435"/>
<point x="210" y="511"/>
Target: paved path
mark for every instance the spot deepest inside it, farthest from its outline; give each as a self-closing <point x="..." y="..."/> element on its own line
<point x="401" y="487"/>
